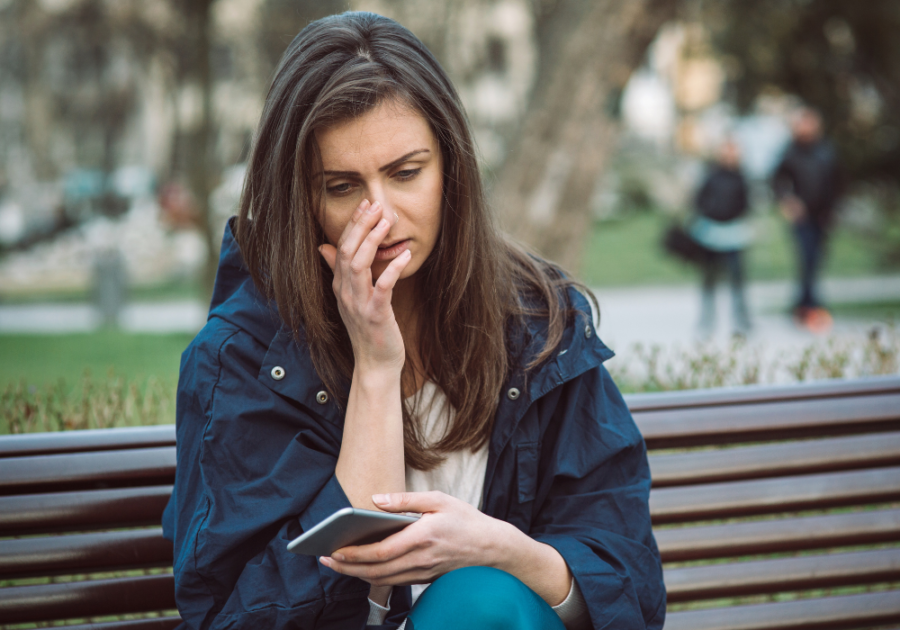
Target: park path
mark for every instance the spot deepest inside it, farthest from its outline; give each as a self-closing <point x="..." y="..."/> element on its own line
<point x="649" y="315"/>
<point x="669" y="315"/>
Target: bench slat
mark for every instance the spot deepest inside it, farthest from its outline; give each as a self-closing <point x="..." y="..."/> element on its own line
<point x="776" y="460"/>
<point x="782" y="574"/>
<point x="769" y="421"/>
<point x="767" y="496"/>
<point x="754" y="394"/>
<point x="94" y="598"/>
<point x="86" y="440"/>
<point x="156" y="623"/>
<point x="84" y="553"/>
<point x="681" y="544"/>
<point x="104" y="469"/>
<point x="89" y="509"/>
<point x="846" y="611"/>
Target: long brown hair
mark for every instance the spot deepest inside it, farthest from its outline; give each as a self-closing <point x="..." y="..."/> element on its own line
<point x="473" y="289"/>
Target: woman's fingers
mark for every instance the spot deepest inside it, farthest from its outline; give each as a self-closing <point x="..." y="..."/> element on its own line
<point x="378" y="575"/>
<point x="420" y="502"/>
<point x="392" y="547"/>
<point x="384" y="286"/>
<point x="382" y="573"/>
<point x="361" y="223"/>
<point x="361" y="265"/>
<point x="365" y="255"/>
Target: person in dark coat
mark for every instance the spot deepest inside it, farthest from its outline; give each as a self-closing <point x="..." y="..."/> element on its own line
<point x="807" y="186"/>
<point x="720" y="226"/>
<point x="373" y="342"/>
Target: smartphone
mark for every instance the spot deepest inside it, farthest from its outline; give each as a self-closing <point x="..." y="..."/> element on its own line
<point x="349" y="526"/>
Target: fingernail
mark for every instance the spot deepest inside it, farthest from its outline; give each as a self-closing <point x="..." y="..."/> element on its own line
<point x="362" y="207"/>
<point x="381" y="499"/>
<point x="383" y="224"/>
<point x="396" y="218"/>
<point x="338" y="556"/>
<point x="320" y="248"/>
<point x="373" y="208"/>
<point x="325" y="560"/>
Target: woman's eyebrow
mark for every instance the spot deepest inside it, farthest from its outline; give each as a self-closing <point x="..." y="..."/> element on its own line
<point x="386" y="167"/>
<point x="402" y="159"/>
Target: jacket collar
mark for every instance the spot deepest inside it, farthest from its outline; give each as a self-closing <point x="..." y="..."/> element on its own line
<point x="580" y="351"/>
<point x="297" y="379"/>
<point x="287" y="368"/>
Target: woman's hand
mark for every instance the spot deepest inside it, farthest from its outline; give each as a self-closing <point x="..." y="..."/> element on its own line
<point x="366" y="309"/>
<point x="451" y="534"/>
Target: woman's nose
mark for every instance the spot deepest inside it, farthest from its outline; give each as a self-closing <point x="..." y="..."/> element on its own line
<point x="378" y="194"/>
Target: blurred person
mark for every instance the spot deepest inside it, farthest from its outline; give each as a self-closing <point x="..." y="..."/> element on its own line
<point x="807" y="186"/>
<point x="720" y="226"/>
<point x="374" y="342"/>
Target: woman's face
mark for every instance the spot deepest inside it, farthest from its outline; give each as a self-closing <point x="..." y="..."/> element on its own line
<point x="388" y="155"/>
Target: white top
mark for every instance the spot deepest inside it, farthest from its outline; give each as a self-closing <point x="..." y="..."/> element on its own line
<point x="461" y="475"/>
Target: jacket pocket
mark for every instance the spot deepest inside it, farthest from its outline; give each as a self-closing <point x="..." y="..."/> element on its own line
<point x="526" y="469"/>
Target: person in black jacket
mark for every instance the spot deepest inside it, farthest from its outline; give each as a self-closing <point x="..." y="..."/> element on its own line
<point x="807" y="187"/>
<point x="721" y="228"/>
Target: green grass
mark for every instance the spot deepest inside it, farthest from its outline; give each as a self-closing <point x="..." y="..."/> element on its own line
<point x="627" y="251"/>
<point x="87" y="381"/>
<point x="884" y="311"/>
<point x="40" y="360"/>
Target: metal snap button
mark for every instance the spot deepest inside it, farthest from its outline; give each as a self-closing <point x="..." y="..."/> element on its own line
<point x="588" y="332"/>
<point x="277" y="372"/>
<point x="513" y="393"/>
<point x="322" y="397"/>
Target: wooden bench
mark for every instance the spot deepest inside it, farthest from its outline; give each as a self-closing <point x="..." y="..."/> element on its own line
<point x="774" y="508"/>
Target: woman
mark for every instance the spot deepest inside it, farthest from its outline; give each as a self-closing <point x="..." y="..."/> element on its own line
<point x="372" y="336"/>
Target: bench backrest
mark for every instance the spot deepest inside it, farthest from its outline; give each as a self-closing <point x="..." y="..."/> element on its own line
<point x="774" y="508"/>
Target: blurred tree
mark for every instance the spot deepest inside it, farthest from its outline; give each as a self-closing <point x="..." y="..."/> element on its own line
<point x="89" y="86"/>
<point x="843" y="58"/>
<point x="71" y="65"/>
<point x="587" y="52"/>
<point x="281" y="20"/>
<point x="202" y="170"/>
<point x="278" y="21"/>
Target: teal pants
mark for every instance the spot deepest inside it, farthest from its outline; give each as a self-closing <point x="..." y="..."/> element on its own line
<point x="481" y="598"/>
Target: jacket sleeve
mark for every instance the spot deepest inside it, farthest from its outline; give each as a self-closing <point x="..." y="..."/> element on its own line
<point x="592" y="504"/>
<point x="254" y="470"/>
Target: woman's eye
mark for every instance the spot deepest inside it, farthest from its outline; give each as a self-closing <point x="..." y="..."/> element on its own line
<point x="408" y="173"/>
<point x="340" y="189"/>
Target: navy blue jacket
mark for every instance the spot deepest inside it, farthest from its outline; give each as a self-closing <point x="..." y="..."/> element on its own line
<point x="256" y="460"/>
<point x="812" y="172"/>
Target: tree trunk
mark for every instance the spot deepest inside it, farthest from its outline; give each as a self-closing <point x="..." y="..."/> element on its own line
<point x="588" y="50"/>
<point x="199" y="139"/>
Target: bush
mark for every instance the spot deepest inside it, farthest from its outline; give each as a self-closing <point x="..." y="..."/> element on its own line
<point x="116" y="401"/>
<point x="97" y="403"/>
<point x="653" y="368"/>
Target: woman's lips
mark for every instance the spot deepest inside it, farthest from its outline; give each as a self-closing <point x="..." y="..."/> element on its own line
<point x="387" y="253"/>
